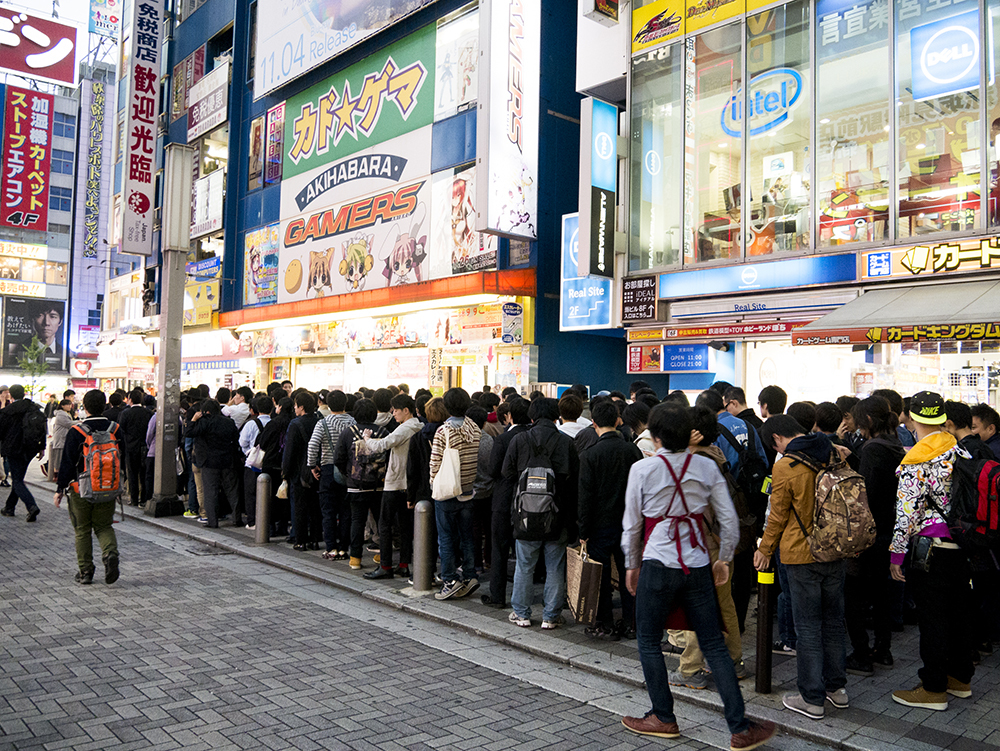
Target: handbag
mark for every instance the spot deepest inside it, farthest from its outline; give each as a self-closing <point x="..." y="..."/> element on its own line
<point x="179" y="463"/>
<point x="282" y="489"/>
<point x="448" y="480"/>
<point x="583" y="584"/>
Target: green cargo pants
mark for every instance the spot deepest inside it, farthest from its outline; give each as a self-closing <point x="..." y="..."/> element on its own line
<point x="90" y="517"/>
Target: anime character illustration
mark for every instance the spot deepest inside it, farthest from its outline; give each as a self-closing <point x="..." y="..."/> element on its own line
<point x="514" y="213"/>
<point x="319" y="272"/>
<point x="357" y="261"/>
<point x="468" y="56"/>
<point x="463" y="215"/>
<point x="408" y="251"/>
<point x="445" y="80"/>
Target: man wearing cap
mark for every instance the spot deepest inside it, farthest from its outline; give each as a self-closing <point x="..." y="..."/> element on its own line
<point x="938" y="574"/>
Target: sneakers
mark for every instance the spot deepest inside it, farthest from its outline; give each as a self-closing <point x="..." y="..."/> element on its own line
<point x="32" y="515"/>
<point x="190" y="514"/>
<point x="796" y="703"/>
<point x="469" y="587"/>
<point x="756" y="735"/>
<point x="250" y="526"/>
<point x="603" y="633"/>
<point x="651" y="725"/>
<point x="697" y="681"/>
<point x="882" y="657"/>
<point x="922" y="698"/>
<point x="377" y="558"/>
<point x="355" y="563"/>
<point x="959" y="689"/>
<point x="838" y="698"/>
<point x="742" y="671"/>
<point x="449" y="590"/>
<point x="554" y="623"/>
<point x="203" y="520"/>
<point x="857" y="666"/>
<point x="84" y="577"/>
<point x="782" y="649"/>
<point x="111" y="569"/>
<point x="5" y="512"/>
<point x="518" y="620"/>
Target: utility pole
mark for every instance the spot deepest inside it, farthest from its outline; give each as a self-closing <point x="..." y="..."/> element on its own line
<point x="175" y="232"/>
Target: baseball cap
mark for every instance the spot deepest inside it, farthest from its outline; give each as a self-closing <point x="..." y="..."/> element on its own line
<point x="927" y="408"/>
<point x="603" y="393"/>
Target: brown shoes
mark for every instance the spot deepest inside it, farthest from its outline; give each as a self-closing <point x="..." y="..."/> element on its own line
<point x="652" y="725"/>
<point x="757" y="734"/>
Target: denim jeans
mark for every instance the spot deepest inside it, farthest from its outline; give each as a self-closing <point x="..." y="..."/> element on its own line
<point x="524" y="577"/>
<point x="605" y="545"/>
<point x="660" y="589"/>
<point x="454" y="524"/>
<point x="817" y="591"/>
<point x="335" y="509"/>
<point x="786" y="621"/>
<point x="192" y="487"/>
<point x="18" y="467"/>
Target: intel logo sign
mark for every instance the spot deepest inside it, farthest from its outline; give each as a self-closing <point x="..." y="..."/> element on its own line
<point x="773" y="95"/>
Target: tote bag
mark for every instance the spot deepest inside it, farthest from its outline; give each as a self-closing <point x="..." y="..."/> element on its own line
<point x="448" y="481"/>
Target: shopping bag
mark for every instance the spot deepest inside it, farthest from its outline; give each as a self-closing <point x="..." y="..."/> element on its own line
<point x="583" y="584"/>
<point x="448" y="480"/>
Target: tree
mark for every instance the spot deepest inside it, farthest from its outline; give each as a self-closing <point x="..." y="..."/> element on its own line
<point x="33" y="365"/>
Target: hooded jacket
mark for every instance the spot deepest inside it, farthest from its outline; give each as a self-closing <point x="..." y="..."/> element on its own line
<point x="463" y="436"/>
<point x="880" y="457"/>
<point x="397" y="444"/>
<point x="216" y="441"/>
<point x="924" y="488"/>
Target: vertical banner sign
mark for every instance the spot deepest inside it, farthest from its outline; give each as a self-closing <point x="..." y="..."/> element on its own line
<point x="95" y="147"/>
<point x="275" y="143"/>
<point x="584" y="301"/>
<point x="598" y="180"/>
<point x="141" y="111"/>
<point x="507" y="123"/>
<point x="26" y="159"/>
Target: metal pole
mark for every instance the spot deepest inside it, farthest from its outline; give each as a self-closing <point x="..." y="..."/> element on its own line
<point x="765" y="630"/>
<point x="423" y="555"/>
<point x="262" y="534"/>
<point x="175" y="233"/>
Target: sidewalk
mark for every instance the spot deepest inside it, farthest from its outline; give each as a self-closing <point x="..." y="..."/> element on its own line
<point x="873" y="722"/>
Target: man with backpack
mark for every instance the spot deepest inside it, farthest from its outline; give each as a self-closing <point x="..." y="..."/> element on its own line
<point x="22" y="436"/>
<point x="816" y="587"/>
<point x="543" y="465"/>
<point x="938" y="573"/>
<point x="90" y="478"/>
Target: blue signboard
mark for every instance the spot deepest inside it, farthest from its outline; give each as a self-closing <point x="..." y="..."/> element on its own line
<point x="748" y="277"/>
<point x="584" y="301"/>
<point x="685" y="358"/>
<point x="944" y="56"/>
<point x="207" y="268"/>
<point x="604" y="146"/>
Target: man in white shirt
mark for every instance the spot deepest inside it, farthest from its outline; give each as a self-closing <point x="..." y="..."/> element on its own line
<point x="238" y="409"/>
<point x="668" y="567"/>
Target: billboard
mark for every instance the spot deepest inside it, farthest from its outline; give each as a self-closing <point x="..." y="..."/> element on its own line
<point x="24" y="318"/>
<point x="507" y="124"/>
<point x="260" y="265"/>
<point x="142" y="110"/>
<point x="24" y="188"/>
<point x="106" y="17"/>
<point x="208" y="102"/>
<point x="458" y="248"/>
<point x="293" y="38"/>
<point x="38" y="48"/>
<point x="584" y="301"/>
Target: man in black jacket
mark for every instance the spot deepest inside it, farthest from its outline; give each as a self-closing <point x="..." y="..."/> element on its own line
<point x="604" y="469"/>
<point x="133" y="421"/>
<point x="18" y="455"/>
<point x="302" y="485"/>
<point x="216" y="443"/>
<point x="565" y="465"/>
<point x="517" y="422"/>
<point x="86" y="515"/>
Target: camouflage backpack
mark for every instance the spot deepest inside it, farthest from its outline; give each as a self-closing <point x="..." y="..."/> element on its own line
<point x="843" y="526"/>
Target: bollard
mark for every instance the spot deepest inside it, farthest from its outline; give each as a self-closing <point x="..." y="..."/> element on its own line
<point x="262" y="535"/>
<point x="423" y="556"/>
<point x="765" y="630"/>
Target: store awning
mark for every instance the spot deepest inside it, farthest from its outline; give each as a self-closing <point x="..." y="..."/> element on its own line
<point x="966" y="311"/>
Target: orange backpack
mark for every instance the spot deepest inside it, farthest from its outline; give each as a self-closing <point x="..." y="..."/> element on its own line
<point x="101" y="478"/>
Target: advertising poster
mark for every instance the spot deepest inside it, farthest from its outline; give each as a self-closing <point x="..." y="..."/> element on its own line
<point x="507" y="123"/>
<point x="25" y="318"/>
<point x="354" y="109"/>
<point x="261" y="265"/>
<point x="187" y="73"/>
<point x="208" y="203"/>
<point x="655" y="23"/>
<point x="294" y="37"/>
<point x="645" y="359"/>
<point x="255" y="167"/>
<point x="456" y="77"/>
<point x="274" y="144"/>
<point x="142" y="110"/>
<point x="106" y="17"/>
<point x="458" y="248"/>
<point x="24" y="188"/>
<point x="38" y="48"/>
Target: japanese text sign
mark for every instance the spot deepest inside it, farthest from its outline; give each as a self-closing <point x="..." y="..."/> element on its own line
<point x="37" y="47"/>
<point x="24" y="190"/>
<point x="209" y="100"/>
<point x="141" y="112"/>
<point x="931" y="260"/>
<point x="638" y="299"/>
<point x="962" y="332"/>
<point x="94" y="166"/>
<point x="274" y="143"/>
<point x="685" y="358"/>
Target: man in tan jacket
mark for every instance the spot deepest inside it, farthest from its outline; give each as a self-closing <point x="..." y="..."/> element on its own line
<point x="817" y="589"/>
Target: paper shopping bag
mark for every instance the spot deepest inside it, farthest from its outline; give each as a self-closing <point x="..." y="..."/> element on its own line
<point x="583" y="584"/>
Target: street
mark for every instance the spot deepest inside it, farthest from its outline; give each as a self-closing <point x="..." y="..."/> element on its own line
<point x="196" y="649"/>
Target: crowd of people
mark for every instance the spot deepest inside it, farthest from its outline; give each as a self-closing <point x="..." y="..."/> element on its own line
<point x="685" y="501"/>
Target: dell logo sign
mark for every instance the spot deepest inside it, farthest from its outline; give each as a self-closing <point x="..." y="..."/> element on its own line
<point x="949" y="55"/>
<point x="773" y="95"/>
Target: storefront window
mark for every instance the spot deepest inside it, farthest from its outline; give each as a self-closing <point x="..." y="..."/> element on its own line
<point x="778" y="128"/>
<point x="853" y="161"/>
<point x="713" y="175"/>
<point x="657" y="158"/>
<point x="937" y="102"/>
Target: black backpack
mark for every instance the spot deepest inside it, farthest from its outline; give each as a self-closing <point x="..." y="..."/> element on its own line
<point x="534" y="513"/>
<point x="33" y="430"/>
<point x="753" y="473"/>
<point x="973" y="514"/>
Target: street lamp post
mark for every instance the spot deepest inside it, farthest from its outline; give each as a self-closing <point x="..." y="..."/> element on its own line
<point x="175" y="233"/>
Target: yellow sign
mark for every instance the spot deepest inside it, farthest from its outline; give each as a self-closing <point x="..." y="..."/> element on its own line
<point x="24" y="250"/>
<point x="199" y="316"/>
<point x="930" y="260"/>
<point x="646" y="335"/>
<point x="702" y="13"/>
<point x="202" y="294"/>
<point x="656" y="23"/>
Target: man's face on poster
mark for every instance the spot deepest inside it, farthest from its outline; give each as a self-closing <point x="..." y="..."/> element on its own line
<point x="46" y="324"/>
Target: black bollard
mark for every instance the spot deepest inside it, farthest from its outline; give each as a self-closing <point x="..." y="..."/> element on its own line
<point x="765" y="630"/>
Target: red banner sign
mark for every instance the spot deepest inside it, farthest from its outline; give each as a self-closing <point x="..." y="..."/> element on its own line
<point x="37" y="47"/>
<point x="27" y="154"/>
<point x="735" y="330"/>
